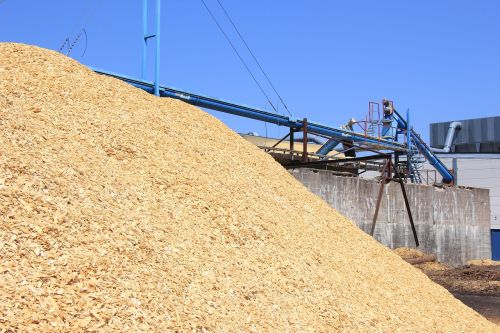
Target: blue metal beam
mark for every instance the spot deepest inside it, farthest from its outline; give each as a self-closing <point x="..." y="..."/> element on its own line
<point x="145" y="38"/>
<point x="312" y="127"/>
<point x="157" y="58"/>
<point x="425" y="150"/>
<point x="409" y="153"/>
<point x="327" y="147"/>
<point x="253" y="113"/>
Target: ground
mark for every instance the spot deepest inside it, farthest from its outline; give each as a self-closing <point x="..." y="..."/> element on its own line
<point x="476" y="284"/>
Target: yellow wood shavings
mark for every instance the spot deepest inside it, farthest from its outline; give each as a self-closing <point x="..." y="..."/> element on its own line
<point x="125" y="212"/>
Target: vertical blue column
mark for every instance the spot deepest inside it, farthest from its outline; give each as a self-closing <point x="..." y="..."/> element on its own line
<point x="408" y="141"/>
<point x="144" y="37"/>
<point x="157" y="60"/>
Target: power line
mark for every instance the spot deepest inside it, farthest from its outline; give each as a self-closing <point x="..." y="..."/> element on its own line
<point x="253" y="56"/>
<point x="237" y="53"/>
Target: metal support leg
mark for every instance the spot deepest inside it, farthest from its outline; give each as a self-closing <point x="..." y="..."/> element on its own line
<point x="379" y="198"/>
<point x="455" y="172"/>
<point x="389" y="168"/>
<point x="409" y="166"/>
<point x="304" y="140"/>
<point x="400" y="181"/>
<point x="292" y="132"/>
<point x="281" y="140"/>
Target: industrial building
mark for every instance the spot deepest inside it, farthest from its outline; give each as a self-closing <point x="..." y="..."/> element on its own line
<point x="471" y="148"/>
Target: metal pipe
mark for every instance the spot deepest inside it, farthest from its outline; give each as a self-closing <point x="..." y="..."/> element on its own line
<point x="157" y="39"/>
<point x="312" y="138"/>
<point x="338" y="160"/>
<point x="304" y="140"/>
<point x="252" y="113"/>
<point x="145" y="39"/>
<point x="328" y="147"/>
<point x="434" y="161"/>
<point x="450" y="137"/>
<point x="230" y="108"/>
<point x="426" y="151"/>
<point x="332" y="143"/>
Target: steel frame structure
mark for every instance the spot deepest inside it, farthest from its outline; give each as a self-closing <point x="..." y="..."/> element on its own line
<point x="350" y="139"/>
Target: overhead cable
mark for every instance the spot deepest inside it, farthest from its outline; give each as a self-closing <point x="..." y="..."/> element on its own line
<point x="253" y="55"/>
<point x="237" y="54"/>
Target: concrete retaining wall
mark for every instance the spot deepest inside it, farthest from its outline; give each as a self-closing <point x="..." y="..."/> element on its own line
<point x="453" y="223"/>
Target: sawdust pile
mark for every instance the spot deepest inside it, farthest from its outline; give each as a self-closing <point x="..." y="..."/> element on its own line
<point x="432" y="266"/>
<point x="409" y="253"/>
<point x="483" y="262"/>
<point x="124" y="212"/>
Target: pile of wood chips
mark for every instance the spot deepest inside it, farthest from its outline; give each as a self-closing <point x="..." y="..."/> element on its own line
<point x="125" y="212"/>
<point x="409" y="253"/>
<point x="414" y="256"/>
<point x="483" y="262"/>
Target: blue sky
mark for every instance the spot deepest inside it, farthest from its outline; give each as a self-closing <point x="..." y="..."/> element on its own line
<point x="327" y="59"/>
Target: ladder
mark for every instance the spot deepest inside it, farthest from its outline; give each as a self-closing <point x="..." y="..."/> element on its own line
<point x="372" y="121"/>
<point x="416" y="163"/>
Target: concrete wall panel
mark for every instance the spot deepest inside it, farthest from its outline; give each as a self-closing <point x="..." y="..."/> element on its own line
<point x="453" y="223"/>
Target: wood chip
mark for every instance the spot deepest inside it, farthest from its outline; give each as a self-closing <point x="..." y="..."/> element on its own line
<point x="125" y="212"/>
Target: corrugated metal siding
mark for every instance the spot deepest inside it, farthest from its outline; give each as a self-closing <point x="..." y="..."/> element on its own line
<point x="483" y="131"/>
